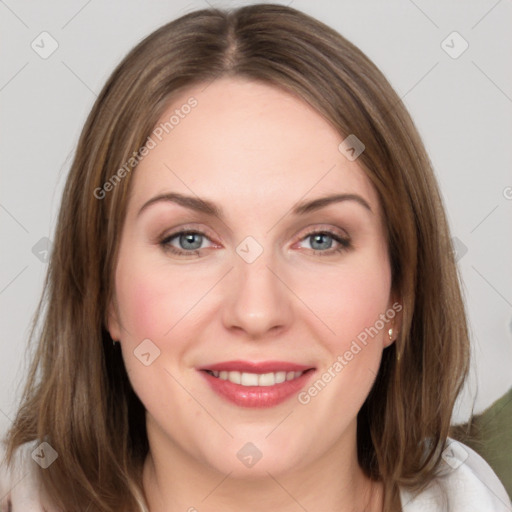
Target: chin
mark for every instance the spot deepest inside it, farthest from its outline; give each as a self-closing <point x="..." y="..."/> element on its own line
<point x="248" y="460"/>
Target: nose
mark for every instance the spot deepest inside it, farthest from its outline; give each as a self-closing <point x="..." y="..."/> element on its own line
<point x="258" y="303"/>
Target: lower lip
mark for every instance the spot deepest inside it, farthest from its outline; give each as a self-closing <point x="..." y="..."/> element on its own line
<point x="257" y="396"/>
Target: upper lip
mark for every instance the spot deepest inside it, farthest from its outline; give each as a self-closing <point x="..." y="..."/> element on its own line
<point x="256" y="367"/>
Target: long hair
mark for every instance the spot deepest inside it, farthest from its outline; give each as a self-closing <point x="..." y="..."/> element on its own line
<point x="78" y="396"/>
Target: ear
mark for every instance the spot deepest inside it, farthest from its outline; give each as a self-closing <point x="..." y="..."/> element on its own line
<point x="394" y="314"/>
<point x="113" y="324"/>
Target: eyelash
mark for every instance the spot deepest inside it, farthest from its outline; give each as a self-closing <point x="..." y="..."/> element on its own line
<point x="343" y="243"/>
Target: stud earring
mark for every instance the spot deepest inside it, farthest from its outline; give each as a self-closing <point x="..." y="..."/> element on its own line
<point x="390" y="332"/>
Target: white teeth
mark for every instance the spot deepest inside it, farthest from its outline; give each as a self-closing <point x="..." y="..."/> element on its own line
<point x="235" y="377"/>
<point x="256" y="379"/>
<point x="266" y="379"/>
<point x="248" y="379"/>
<point x="280" y="377"/>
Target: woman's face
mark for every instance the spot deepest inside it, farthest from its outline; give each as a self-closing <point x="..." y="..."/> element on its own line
<point x="260" y="284"/>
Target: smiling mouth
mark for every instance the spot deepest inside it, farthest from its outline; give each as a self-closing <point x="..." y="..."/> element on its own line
<point x="257" y="379"/>
<point x="256" y="384"/>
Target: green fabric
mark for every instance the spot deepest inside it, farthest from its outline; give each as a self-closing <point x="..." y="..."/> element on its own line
<point x="490" y="435"/>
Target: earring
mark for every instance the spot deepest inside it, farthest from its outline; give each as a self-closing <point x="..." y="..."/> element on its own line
<point x="390" y="332"/>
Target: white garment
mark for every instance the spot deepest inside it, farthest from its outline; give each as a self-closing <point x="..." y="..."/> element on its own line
<point x="19" y="484"/>
<point x="469" y="485"/>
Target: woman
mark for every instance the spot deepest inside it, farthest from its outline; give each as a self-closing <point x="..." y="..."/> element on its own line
<point x="252" y="301"/>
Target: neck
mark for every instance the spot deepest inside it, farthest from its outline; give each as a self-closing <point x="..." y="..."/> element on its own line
<point x="175" y="481"/>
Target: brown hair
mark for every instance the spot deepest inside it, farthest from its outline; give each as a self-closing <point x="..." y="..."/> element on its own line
<point x="78" y="396"/>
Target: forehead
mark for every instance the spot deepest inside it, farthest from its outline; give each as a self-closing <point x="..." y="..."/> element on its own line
<point x="249" y="142"/>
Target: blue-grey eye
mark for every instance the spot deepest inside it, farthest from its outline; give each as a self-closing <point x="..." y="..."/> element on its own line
<point x="321" y="241"/>
<point x="186" y="243"/>
<point x="190" y="241"/>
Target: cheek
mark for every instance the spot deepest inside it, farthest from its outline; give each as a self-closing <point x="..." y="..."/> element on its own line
<point x="365" y="297"/>
<point x="146" y="299"/>
<point x="351" y="300"/>
<point x="154" y="296"/>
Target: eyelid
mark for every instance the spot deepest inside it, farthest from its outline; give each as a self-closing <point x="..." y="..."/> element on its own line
<point x="187" y="228"/>
<point x="311" y="228"/>
<point x="340" y="236"/>
<point x="321" y="228"/>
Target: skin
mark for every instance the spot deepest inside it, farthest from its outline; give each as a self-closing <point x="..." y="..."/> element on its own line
<point x="255" y="151"/>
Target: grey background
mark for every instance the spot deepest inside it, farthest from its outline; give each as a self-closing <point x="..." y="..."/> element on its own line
<point x="462" y="107"/>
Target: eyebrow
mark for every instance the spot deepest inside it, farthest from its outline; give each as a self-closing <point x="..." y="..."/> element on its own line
<point x="210" y="208"/>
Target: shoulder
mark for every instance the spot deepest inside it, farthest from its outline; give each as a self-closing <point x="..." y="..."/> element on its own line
<point x="19" y="488"/>
<point x="465" y="482"/>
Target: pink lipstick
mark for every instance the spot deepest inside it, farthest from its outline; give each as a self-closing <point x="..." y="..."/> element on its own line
<point x="256" y="384"/>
